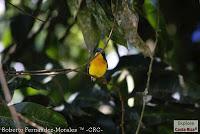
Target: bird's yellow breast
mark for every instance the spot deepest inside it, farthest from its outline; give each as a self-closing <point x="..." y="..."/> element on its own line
<point x="98" y="66"/>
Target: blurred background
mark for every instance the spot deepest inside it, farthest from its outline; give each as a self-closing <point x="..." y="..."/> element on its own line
<point x="49" y="34"/>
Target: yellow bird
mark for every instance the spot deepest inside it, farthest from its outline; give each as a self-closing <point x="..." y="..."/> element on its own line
<point x="98" y="65"/>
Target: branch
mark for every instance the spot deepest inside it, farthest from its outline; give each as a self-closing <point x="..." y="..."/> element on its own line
<point x="70" y="25"/>
<point x="149" y="74"/>
<point x="67" y="31"/>
<point x="42" y="72"/>
<point x="15" y="116"/>
<point x="60" y="71"/>
<point x="122" y="112"/>
<point x="8" y="98"/>
<point x="141" y="116"/>
<point x="41" y="27"/>
<point x="24" y="12"/>
<point x="122" y="106"/>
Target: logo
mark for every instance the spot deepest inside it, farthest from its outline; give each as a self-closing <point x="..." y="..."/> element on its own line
<point x="185" y="125"/>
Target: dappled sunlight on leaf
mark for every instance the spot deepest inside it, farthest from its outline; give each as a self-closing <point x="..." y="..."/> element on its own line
<point x="18" y="66"/>
<point x="112" y="59"/>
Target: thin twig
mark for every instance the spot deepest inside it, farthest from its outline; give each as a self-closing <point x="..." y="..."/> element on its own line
<point x="58" y="71"/>
<point x="122" y="104"/>
<point x="122" y="112"/>
<point x="109" y="36"/>
<point x="24" y="12"/>
<point x="32" y="36"/>
<point x="102" y="50"/>
<point x="148" y="75"/>
<point x="52" y="72"/>
<point x="141" y="116"/>
<point x="42" y="72"/>
<point x="8" y="98"/>
<point x="67" y="31"/>
<point x="46" y="72"/>
<point x="145" y="93"/>
<point x="118" y="90"/>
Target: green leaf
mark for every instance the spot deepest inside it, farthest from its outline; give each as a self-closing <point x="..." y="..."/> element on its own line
<point x="57" y="87"/>
<point x="41" y="115"/>
<point x="35" y="112"/>
<point x="102" y="20"/>
<point x="89" y="28"/>
<point x="7" y="37"/>
<point x="151" y="12"/>
<point x="105" y="22"/>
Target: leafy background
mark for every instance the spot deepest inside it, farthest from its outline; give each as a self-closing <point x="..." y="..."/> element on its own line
<point x="66" y="37"/>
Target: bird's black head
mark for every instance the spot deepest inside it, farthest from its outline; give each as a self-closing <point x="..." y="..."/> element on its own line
<point x="101" y="51"/>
